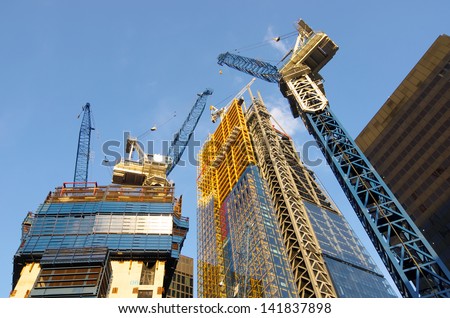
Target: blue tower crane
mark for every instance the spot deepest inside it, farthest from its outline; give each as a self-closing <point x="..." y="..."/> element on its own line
<point x="414" y="266"/>
<point x="84" y="143"/>
<point x="183" y="136"/>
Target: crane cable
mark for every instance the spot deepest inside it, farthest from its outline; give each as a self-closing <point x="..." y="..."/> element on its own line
<point x="263" y="43"/>
<point x="147" y="132"/>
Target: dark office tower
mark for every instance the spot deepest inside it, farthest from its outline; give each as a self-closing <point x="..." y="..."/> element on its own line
<point x="260" y="208"/>
<point x="102" y="241"/>
<point x="408" y="142"/>
<point x="182" y="285"/>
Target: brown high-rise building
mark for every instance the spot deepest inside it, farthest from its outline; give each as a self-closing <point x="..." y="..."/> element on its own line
<point x="182" y="285"/>
<point x="408" y="142"/>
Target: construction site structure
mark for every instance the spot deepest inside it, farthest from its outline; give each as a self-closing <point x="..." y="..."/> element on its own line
<point x="121" y="240"/>
<point x="100" y="241"/>
<point x="233" y="199"/>
<point x="413" y="264"/>
<point x="265" y="228"/>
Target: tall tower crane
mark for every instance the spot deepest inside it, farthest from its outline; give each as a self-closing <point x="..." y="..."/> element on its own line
<point x="414" y="266"/>
<point x="84" y="145"/>
<point x="153" y="169"/>
<point x="184" y="135"/>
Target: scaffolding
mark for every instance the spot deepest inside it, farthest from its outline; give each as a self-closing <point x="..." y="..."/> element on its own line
<point x="91" y="192"/>
<point x="225" y="155"/>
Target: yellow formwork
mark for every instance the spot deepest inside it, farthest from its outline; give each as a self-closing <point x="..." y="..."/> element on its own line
<point x="222" y="160"/>
<point x="225" y="155"/>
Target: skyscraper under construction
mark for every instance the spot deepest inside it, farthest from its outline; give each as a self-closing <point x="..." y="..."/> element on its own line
<point x="85" y="240"/>
<point x="265" y="227"/>
<point x="121" y="240"/>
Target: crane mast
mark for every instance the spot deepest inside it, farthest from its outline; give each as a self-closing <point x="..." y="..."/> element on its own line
<point x="414" y="266"/>
<point x="83" y="151"/>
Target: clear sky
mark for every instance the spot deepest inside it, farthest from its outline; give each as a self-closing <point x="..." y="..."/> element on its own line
<point x="140" y="62"/>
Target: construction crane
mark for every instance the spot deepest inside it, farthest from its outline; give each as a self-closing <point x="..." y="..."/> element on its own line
<point x="153" y="169"/>
<point x="84" y="148"/>
<point x="183" y="136"/>
<point x="414" y="266"/>
<point x="219" y="113"/>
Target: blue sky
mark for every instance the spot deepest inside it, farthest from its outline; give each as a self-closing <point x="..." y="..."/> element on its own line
<point x="139" y="62"/>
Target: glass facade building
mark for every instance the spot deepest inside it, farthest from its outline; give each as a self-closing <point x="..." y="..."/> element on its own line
<point x="352" y="269"/>
<point x="265" y="228"/>
<point x="255" y="261"/>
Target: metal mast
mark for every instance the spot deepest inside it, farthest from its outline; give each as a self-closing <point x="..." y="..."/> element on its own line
<point x="182" y="137"/>
<point x="83" y="151"/>
<point x="413" y="264"/>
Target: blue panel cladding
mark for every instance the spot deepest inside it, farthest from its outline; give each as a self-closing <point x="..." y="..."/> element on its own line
<point x="73" y="225"/>
<point x="179" y="243"/>
<point x="351" y="267"/>
<point x="119" y="242"/>
<point x="183" y="222"/>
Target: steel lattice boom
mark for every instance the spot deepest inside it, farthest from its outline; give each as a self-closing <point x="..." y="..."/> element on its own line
<point x="413" y="264"/>
<point x="84" y="144"/>
<point x="183" y="136"/>
<point x="251" y="66"/>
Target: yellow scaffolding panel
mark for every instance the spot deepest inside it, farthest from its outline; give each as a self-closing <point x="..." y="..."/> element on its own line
<point x="225" y="155"/>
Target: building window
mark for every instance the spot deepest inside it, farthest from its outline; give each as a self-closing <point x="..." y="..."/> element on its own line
<point x="145" y="294"/>
<point x="148" y="274"/>
<point x="68" y="277"/>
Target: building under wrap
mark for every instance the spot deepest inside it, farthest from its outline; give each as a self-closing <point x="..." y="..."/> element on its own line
<point x="265" y="228"/>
